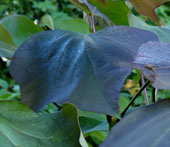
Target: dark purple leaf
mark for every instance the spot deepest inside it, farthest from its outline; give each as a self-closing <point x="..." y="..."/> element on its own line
<point x="62" y="66"/>
<point x="147" y="126"/>
<point x="153" y="59"/>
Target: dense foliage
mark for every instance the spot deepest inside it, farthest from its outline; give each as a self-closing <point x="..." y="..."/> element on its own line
<point x="72" y="73"/>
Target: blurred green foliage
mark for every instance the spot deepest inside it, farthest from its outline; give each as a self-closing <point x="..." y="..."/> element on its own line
<point x="35" y="9"/>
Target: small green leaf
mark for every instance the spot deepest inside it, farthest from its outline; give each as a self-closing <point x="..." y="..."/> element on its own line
<point x="48" y="21"/>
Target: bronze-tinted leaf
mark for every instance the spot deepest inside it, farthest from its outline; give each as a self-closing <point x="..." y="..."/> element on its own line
<point x="147" y="7"/>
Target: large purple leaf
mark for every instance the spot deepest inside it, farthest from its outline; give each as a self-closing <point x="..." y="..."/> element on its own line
<point x="61" y="66"/>
<point x="147" y="126"/>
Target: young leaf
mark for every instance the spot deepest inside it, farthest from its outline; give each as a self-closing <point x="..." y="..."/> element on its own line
<point x="47" y="21"/>
<point x="145" y="127"/>
<point x="20" y="27"/>
<point x="147" y="7"/>
<point x="20" y="126"/>
<point x="61" y="66"/>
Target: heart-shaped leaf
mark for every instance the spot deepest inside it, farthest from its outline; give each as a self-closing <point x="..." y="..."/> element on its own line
<point x="148" y="126"/>
<point x="20" y="126"/>
<point x="147" y="7"/>
<point x="64" y="66"/>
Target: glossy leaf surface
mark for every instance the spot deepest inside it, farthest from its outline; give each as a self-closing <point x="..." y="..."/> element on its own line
<point x="145" y="127"/>
<point x="85" y="70"/>
<point x="20" y="126"/>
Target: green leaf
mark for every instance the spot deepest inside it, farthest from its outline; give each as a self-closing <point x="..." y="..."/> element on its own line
<point x="123" y="102"/>
<point x="3" y="84"/>
<point x="91" y="121"/>
<point x="47" y="21"/>
<point x="20" y="126"/>
<point x="116" y="11"/>
<point x="6" y="50"/>
<point x="148" y="126"/>
<point x="72" y="24"/>
<point x="92" y="125"/>
<point x="162" y="32"/>
<point x="5" y="36"/>
<point x="7" y="46"/>
<point x="80" y="5"/>
<point x="20" y="27"/>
